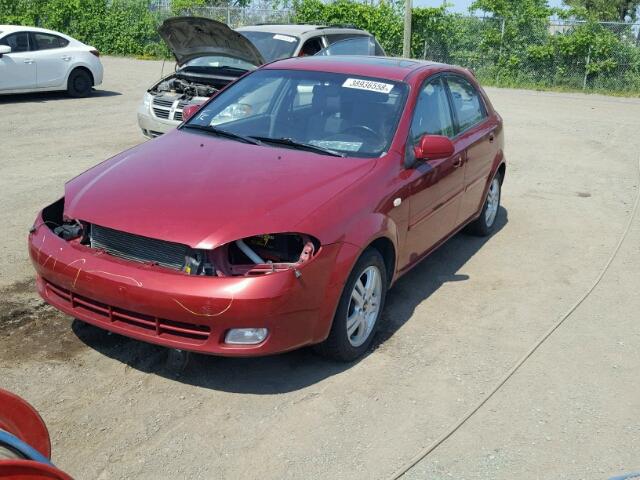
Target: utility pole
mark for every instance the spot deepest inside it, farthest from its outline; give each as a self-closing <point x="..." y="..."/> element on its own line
<point x="406" y="45"/>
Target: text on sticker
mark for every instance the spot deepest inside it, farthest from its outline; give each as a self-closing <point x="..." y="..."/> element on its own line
<point x="367" y="85"/>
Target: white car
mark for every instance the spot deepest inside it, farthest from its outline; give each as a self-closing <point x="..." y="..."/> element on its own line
<point x="34" y="59"/>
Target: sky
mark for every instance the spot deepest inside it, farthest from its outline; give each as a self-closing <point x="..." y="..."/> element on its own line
<point x="462" y="6"/>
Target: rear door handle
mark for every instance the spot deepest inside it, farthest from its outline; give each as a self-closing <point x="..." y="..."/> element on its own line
<point x="491" y="137"/>
<point x="66" y="59"/>
<point x="28" y="60"/>
<point x="457" y="163"/>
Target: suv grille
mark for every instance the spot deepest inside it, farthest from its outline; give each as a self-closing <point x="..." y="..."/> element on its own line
<point x="139" y="248"/>
<point x="162" y="108"/>
<point x="161" y="113"/>
<point x="163" y="102"/>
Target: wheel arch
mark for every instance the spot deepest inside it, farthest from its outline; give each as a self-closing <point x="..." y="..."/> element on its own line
<point x="373" y="231"/>
<point x="502" y="170"/>
<point x="377" y="231"/>
<point x="388" y="251"/>
<point x="86" y="69"/>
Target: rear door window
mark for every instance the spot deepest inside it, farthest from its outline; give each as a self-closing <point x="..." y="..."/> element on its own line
<point x="351" y="45"/>
<point x="467" y="104"/>
<point x="46" y="41"/>
<point x="337" y="37"/>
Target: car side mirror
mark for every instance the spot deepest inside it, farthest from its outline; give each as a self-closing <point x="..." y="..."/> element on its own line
<point x="190" y="110"/>
<point x="433" y="147"/>
<point x="4" y="49"/>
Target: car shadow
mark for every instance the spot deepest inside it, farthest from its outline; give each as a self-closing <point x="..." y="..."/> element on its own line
<point x="41" y="97"/>
<point x="428" y="276"/>
<point x="298" y="369"/>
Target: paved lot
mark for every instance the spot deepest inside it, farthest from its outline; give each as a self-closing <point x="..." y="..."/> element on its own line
<point x="117" y="408"/>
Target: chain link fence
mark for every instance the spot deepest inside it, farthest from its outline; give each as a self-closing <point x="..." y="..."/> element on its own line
<point x="515" y="52"/>
<point x="579" y="55"/>
<point x="232" y="16"/>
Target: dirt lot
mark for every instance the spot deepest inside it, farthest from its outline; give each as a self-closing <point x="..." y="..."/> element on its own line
<point x="117" y="408"/>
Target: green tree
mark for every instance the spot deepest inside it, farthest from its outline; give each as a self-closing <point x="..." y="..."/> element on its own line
<point x="515" y="26"/>
<point x="181" y="6"/>
<point x="382" y="20"/>
<point x="605" y="10"/>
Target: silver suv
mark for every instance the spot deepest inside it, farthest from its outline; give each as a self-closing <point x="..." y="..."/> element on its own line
<point x="210" y="55"/>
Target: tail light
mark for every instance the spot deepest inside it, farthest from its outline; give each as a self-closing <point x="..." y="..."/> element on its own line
<point x="94" y="52"/>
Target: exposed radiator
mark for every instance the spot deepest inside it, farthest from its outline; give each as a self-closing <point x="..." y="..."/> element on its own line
<point x="139" y="248"/>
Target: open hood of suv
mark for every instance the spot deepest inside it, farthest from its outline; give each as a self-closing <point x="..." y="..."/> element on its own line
<point x="192" y="37"/>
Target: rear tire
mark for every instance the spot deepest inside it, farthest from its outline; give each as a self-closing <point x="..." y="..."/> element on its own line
<point x="359" y="309"/>
<point x="485" y="224"/>
<point x="79" y="83"/>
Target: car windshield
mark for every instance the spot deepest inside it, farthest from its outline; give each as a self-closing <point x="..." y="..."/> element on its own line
<point x="339" y="113"/>
<point x="218" y="61"/>
<point x="272" y="46"/>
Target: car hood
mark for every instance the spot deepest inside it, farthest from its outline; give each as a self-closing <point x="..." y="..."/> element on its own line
<point x="192" y="37"/>
<point x="205" y="191"/>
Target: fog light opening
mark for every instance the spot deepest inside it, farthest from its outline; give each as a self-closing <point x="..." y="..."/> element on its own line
<point x="246" y="336"/>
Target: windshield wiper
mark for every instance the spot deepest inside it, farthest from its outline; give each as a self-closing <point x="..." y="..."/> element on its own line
<point x="223" y="133"/>
<point x="300" y="145"/>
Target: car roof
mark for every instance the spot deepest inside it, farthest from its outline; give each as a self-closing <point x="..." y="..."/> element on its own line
<point x="390" y="68"/>
<point x="19" y="28"/>
<point x="300" y="30"/>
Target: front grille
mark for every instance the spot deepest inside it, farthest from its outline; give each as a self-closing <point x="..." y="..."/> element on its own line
<point x="142" y="323"/>
<point x="139" y="248"/>
<point x="160" y="113"/>
<point x="162" y="102"/>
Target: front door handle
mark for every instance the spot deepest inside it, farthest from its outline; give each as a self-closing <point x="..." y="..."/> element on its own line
<point x="457" y="163"/>
<point x="28" y="60"/>
<point x="491" y="137"/>
<point x="66" y="59"/>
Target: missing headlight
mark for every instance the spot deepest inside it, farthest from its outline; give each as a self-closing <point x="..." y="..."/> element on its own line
<point x="53" y="218"/>
<point x="263" y="254"/>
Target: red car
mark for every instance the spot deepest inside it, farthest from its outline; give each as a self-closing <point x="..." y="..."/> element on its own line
<point x="278" y="214"/>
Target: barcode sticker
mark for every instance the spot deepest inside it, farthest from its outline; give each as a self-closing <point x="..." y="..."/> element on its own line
<point x="367" y="85"/>
<point x="284" y="38"/>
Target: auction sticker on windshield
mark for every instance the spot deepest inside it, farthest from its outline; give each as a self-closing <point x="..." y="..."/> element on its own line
<point x="367" y="85"/>
<point x="284" y="38"/>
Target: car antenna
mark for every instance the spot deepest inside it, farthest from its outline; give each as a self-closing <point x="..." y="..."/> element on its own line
<point x="162" y="69"/>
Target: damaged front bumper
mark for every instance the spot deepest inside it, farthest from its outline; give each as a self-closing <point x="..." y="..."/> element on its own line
<point x="194" y="313"/>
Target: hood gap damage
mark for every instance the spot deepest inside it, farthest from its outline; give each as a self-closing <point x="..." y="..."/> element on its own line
<point x="250" y="256"/>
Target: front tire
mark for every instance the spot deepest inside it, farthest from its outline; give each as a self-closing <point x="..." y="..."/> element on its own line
<point x="359" y="309"/>
<point x="79" y="83"/>
<point x="485" y="223"/>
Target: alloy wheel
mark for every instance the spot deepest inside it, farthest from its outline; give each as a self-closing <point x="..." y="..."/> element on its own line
<point x="364" y="305"/>
<point x="493" y="201"/>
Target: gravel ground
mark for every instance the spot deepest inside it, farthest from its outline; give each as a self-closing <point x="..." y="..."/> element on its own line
<point x="117" y="408"/>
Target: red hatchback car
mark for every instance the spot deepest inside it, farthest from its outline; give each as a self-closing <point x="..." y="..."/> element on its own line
<point x="280" y="212"/>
